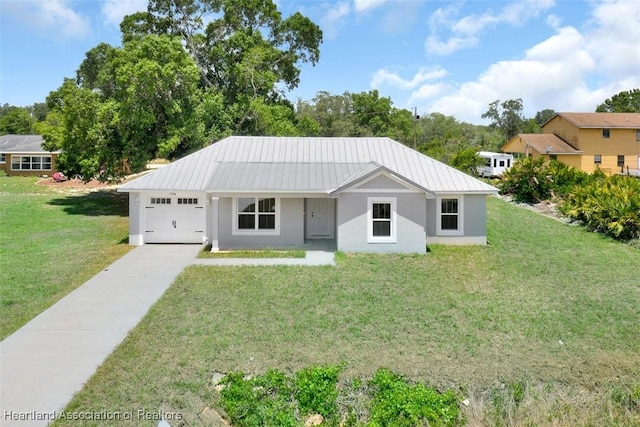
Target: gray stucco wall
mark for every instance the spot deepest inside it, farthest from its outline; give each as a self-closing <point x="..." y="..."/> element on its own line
<point x="474" y="216"/>
<point x="291" y="227"/>
<point x="382" y="183"/>
<point x="352" y="223"/>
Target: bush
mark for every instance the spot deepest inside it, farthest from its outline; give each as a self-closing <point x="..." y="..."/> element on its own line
<point x="467" y="160"/>
<point x="608" y="205"/>
<point x="316" y="390"/>
<point x="533" y="180"/>
<point x="396" y="403"/>
<point x="565" y="178"/>
<point x="528" y="180"/>
<point x="275" y="399"/>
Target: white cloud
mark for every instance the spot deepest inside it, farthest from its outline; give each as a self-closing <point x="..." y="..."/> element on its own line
<point x="386" y="77"/>
<point x="575" y="69"/>
<point x="615" y="38"/>
<point x="464" y="32"/>
<point x="436" y="46"/>
<point x="115" y="10"/>
<point x="553" y="21"/>
<point x="362" y="5"/>
<point x="428" y="91"/>
<point x="333" y="18"/>
<point x="54" y="18"/>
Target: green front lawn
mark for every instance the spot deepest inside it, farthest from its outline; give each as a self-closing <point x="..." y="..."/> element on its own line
<point x="540" y="327"/>
<point x="51" y="243"/>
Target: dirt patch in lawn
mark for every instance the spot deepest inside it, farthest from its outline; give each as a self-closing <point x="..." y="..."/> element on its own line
<point x="75" y="186"/>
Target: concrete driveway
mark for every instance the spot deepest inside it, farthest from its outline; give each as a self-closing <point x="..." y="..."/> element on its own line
<point x="43" y="364"/>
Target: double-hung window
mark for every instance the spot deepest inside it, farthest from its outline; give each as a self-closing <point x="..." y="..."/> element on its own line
<point x="606" y="133"/>
<point x="256" y="215"/>
<point x="450" y="221"/>
<point x="381" y="220"/>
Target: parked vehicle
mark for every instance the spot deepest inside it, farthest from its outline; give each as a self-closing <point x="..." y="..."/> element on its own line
<point x="496" y="163"/>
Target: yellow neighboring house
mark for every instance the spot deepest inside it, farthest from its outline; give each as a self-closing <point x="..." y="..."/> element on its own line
<point x="588" y="141"/>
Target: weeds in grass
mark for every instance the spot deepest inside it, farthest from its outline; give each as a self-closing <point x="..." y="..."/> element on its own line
<point x="396" y="403"/>
<point x="274" y="399"/>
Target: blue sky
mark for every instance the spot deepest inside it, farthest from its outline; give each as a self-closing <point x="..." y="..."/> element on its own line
<point x="452" y="57"/>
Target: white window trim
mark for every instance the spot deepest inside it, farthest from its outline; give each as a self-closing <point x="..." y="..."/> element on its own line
<point x="393" y="238"/>
<point x="235" y="231"/>
<point x="460" y="230"/>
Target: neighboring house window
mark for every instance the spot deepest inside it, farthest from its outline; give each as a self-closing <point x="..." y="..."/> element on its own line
<point x="33" y="163"/>
<point x="553" y="156"/>
<point x="381" y="220"/>
<point x="450" y="218"/>
<point x="3" y="158"/>
<point x="621" y="160"/>
<point x="606" y="133"/>
<point x="638" y="135"/>
<point x="597" y="159"/>
<point x="256" y="215"/>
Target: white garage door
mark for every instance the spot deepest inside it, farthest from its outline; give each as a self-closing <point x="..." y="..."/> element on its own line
<point x="175" y="219"/>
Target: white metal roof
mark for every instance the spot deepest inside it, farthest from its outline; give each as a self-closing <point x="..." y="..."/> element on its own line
<point x="291" y="164"/>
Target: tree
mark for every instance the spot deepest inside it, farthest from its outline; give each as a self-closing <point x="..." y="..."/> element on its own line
<point x="247" y="51"/>
<point x="467" y="160"/>
<point x="623" y="102"/>
<point x="506" y="116"/>
<point x="129" y="105"/>
<point x="544" y="116"/>
<point x="16" y="120"/>
<point x="156" y="85"/>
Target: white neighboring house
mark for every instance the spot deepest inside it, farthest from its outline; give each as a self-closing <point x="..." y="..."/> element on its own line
<point x="356" y="194"/>
<point x="496" y="164"/>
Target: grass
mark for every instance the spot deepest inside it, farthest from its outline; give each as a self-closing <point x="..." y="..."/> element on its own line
<point x="540" y="327"/>
<point x="262" y="253"/>
<point x="51" y="244"/>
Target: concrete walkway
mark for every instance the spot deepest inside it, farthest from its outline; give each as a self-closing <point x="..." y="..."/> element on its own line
<point x="43" y="364"/>
<point x="312" y="258"/>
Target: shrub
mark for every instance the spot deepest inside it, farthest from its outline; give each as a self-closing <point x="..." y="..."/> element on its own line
<point x="316" y="390"/>
<point x="610" y="206"/>
<point x="533" y="180"/>
<point x="565" y="178"/>
<point x="527" y="180"/>
<point x="467" y="160"/>
<point x="396" y="403"/>
<point x="275" y="399"/>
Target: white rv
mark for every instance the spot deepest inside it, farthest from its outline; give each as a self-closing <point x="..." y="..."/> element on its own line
<point x="496" y="163"/>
